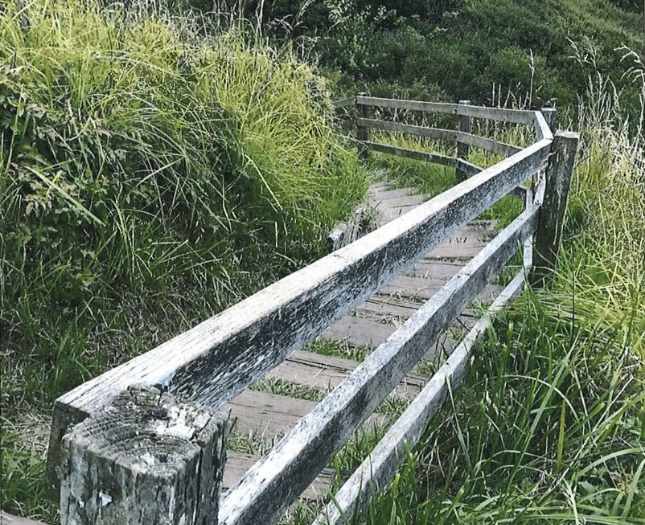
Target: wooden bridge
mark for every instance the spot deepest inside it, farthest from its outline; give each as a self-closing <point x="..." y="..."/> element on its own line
<point x="146" y="442"/>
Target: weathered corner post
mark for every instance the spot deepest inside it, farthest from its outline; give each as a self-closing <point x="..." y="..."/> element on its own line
<point x="463" y="150"/>
<point x="361" y="130"/>
<point x="144" y="459"/>
<point x="558" y="182"/>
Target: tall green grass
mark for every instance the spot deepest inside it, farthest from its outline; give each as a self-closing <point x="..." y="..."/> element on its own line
<point x="549" y="425"/>
<point x="149" y="177"/>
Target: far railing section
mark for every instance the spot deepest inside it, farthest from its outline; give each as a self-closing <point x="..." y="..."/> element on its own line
<point x="145" y="443"/>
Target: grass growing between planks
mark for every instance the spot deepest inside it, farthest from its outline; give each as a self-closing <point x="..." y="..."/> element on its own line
<point x="149" y="177"/>
<point x="549" y="424"/>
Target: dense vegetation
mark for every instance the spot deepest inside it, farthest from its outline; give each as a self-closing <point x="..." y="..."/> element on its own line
<point x="148" y="179"/>
<point x="489" y="51"/>
<point x="157" y="166"/>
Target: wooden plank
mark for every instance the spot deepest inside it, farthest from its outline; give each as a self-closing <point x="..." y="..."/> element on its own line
<point x="468" y="168"/>
<point x="267" y="416"/>
<point x="220" y="357"/>
<point x="545" y="123"/>
<point x="428" y="268"/>
<point x="434" y="158"/>
<point x="379" y="468"/>
<point x="327" y="372"/>
<point x="270" y="486"/>
<point x="8" y="519"/>
<point x="358" y="332"/>
<point x="500" y="114"/>
<point x="344" y="103"/>
<point x="424" y="289"/>
<point x="494" y="146"/>
<point x="385" y="311"/>
<point x="384" y="195"/>
<point x="238" y="463"/>
<point x="403" y="201"/>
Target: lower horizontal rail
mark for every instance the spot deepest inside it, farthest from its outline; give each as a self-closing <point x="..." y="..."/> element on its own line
<point x="433" y="158"/>
<point x="381" y="465"/>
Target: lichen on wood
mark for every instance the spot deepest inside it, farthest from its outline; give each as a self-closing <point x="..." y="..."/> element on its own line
<point x="145" y="458"/>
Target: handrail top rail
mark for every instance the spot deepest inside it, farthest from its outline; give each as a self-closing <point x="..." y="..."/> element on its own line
<point x="514" y="116"/>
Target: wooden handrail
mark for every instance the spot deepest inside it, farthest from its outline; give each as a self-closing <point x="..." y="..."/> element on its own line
<point x="183" y="382"/>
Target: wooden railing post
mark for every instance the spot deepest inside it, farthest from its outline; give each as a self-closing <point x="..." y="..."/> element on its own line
<point x="551" y="117"/>
<point x="549" y="229"/>
<point x="143" y="459"/>
<point x="463" y="150"/>
<point x="361" y="131"/>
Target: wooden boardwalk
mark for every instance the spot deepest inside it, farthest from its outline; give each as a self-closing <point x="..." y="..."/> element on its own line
<point x="262" y="418"/>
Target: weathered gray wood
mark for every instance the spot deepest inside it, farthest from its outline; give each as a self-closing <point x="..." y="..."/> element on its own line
<point x="8" y="519"/>
<point x="434" y="158"/>
<point x="327" y="372"/>
<point x="551" y="117"/>
<point x="467" y="167"/>
<point x="493" y="146"/>
<point x="238" y="463"/>
<point x="384" y="195"/>
<point x="424" y="289"/>
<point x="499" y="114"/>
<point x="463" y="150"/>
<point x="344" y="103"/>
<point x="348" y="231"/>
<point x="404" y="201"/>
<point x="428" y="268"/>
<point x="358" y="332"/>
<point x="280" y="476"/>
<point x="558" y="181"/>
<point x="143" y="459"/>
<point x="267" y="416"/>
<point x="380" y="466"/>
<point x="542" y="130"/>
<point x="216" y="360"/>
<point x="362" y="133"/>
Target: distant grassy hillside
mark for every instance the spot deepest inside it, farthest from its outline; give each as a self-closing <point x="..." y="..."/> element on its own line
<point x="148" y="179"/>
<point x="484" y="50"/>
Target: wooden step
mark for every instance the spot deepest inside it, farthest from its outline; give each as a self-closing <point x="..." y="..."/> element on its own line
<point x="358" y="332"/>
<point x="238" y="463"/>
<point x="327" y="372"/>
<point x="267" y="416"/>
<point x="403" y="201"/>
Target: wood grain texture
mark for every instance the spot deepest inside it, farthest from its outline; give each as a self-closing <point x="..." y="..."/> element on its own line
<point x="493" y="146"/>
<point x="238" y="463"/>
<point x="272" y="484"/>
<point x="381" y="465"/>
<point x="358" y="332"/>
<point x="327" y="372"/>
<point x="143" y="459"/>
<point x="217" y="359"/>
<point x="266" y="416"/>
